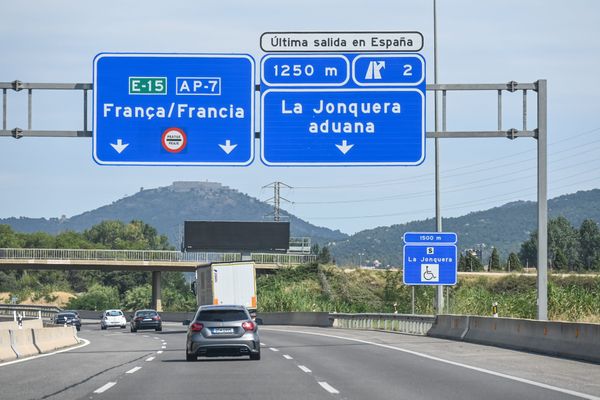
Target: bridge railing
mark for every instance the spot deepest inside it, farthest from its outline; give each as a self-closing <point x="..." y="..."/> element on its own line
<point x="401" y="323"/>
<point x="150" y="255"/>
<point x="283" y="259"/>
<point x="116" y="255"/>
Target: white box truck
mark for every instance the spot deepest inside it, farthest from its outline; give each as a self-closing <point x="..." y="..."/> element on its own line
<point x="226" y="283"/>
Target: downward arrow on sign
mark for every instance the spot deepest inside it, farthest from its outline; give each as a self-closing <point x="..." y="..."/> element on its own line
<point x="344" y="147"/>
<point x="228" y="147"/>
<point x="119" y="147"/>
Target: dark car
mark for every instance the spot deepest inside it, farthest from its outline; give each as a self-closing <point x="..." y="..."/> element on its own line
<point x="146" y="319"/>
<point x="222" y="331"/>
<point x="68" y="318"/>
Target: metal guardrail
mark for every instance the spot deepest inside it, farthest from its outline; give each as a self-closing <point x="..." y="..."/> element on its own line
<point x="401" y="323"/>
<point x="29" y="311"/>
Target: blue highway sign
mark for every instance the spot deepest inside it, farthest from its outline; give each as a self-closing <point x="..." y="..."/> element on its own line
<point x="173" y="109"/>
<point x="433" y="264"/>
<point x="430" y="237"/>
<point x="430" y="258"/>
<point x="317" y="112"/>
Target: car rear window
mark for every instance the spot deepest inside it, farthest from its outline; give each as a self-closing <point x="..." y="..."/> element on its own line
<point x="66" y="315"/>
<point x="114" y="313"/>
<point x="222" y="315"/>
<point x="146" y="313"/>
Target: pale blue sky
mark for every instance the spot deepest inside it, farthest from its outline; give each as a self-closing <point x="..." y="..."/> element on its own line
<point x="479" y="42"/>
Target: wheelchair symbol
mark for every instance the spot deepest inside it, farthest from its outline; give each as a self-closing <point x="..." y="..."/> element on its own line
<point x="430" y="272"/>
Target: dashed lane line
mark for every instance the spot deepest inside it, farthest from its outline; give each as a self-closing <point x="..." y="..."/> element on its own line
<point x="133" y="370"/>
<point x="329" y="388"/>
<point x="150" y="358"/>
<point x="273" y="349"/>
<point x="105" y="387"/>
<point x="288" y="357"/>
<point x="303" y="368"/>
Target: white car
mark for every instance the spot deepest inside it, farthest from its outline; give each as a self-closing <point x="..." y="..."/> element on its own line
<point x="113" y="318"/>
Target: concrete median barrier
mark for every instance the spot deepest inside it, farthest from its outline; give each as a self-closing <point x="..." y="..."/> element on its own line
<point x="27" y="324"/>
<point x="6" y="351"/>
<point x="565" y="339"/>
<point x="452" y="327"/>
<point x="50" y="339"/>
<point x="22" y="343"/>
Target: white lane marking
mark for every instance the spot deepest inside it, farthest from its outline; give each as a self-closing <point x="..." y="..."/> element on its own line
<point x="287" y="357"/>
<point x="273" y="349"/>
<point x="163" y="347"/>
<point x="105" y="387"/>
<point x="482" y="370"/>
<point x="159" y="352"/>
<point x="133" y="370"/>
<point x="146" y="336"/>
<point x="155" y="338"/>
<point x="303" y="368"/>
<point x="150" y="358"/>
<point x="85" y="343"/>
<point x="329" y="388"/>
<point x="263" y="344"/>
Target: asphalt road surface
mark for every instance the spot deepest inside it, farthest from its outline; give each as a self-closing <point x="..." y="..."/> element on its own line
<point x="297" y="363"/>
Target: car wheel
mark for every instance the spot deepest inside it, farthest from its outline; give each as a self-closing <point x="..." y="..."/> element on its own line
<point x="255" y="356"/>
<point x="133" y="330"/>
<point x="159" y="329"/>
<point x="190" y="357"/>
<point x="123" y="326"/>
<point x="102" y="327"/>
<point x="78" y="328"/>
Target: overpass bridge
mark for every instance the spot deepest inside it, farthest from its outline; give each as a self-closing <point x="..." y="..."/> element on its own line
<point x="155" y="261"/>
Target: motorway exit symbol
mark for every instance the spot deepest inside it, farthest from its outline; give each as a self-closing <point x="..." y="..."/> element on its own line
<point x="173" y="109"/>
<point x="430" y="258"/>
<point x="343" y="109"/>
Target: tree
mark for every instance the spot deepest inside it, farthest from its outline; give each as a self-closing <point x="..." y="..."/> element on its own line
<point x="495" y="260"/>
<point x="564" y="237"/>
<point x="324" y="256"/>
<point x="462" y="265"/>
<point x="561" y="235"/>
<point x="513" y="263"/>
<point x="97" y="298"/>
<point x="560" y="261"/>
<point x="8" y="238"/>
<point x="472" y="263"/>
<point x="589" y="242"/>
<point x="138" y="297"/>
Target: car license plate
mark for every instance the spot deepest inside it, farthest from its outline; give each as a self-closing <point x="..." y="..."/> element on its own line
<point x="147" y="319"/>
<point x="221" y="331"/>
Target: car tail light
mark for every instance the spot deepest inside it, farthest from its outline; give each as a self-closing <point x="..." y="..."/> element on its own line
<point x="196" y="327"/>
<point x="156" y="318"/>
<point x="248" y="326"/>
<point x="139" y="318"/>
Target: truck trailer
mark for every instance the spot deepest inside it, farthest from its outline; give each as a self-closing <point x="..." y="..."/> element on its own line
<point x="226" y="283"/>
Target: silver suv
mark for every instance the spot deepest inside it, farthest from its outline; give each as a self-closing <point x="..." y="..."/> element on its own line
<point x="222" y="331"/>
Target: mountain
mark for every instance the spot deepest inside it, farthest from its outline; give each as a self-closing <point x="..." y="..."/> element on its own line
<point x="166" y="208"/>
<point x="504" y="227"/>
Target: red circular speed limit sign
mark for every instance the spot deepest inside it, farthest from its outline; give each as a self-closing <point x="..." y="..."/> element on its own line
<point x="174" y="140"/>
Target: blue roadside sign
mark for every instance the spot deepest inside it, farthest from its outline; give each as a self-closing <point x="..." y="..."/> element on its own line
<point x="173" y="109"/>
<point x="343" y="110"/>
<point x="430" y="258"/>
